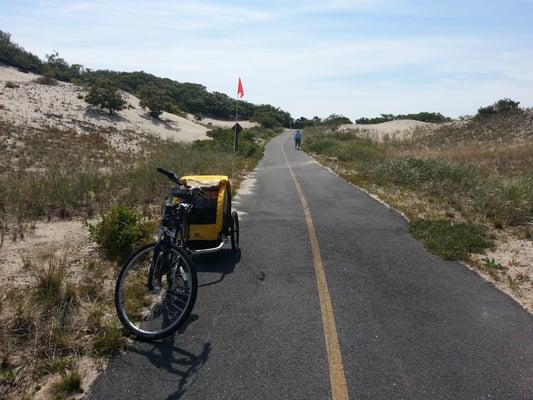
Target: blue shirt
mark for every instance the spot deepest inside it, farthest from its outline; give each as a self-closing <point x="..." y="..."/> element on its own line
<point x="297" y="135"/>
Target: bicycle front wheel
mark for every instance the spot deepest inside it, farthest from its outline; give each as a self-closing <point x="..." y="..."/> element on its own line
<point x="155" y="291"/>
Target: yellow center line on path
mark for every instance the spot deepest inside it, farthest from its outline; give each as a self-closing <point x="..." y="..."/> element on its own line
<point x="339" y="391"/>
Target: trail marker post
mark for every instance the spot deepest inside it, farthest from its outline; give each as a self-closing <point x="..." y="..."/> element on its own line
<point x="237" y="128"/>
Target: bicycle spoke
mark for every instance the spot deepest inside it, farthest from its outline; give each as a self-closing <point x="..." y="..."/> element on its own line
<point x="151" y="312"/>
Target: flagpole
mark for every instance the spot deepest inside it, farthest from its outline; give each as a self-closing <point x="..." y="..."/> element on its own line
<point x="235" y="135"/>
<point x="237" y="109"/>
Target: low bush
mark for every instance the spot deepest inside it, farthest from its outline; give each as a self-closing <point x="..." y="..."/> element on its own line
<point x="69" y="384"/>
<point x="11" y="85"/>
<point x="105" y="95"/>
<point x="109" y="340"/>
<point x="333" y="121"/>
<point x="321" y="145"/>
<point x="493" y="267"/>
<point x="120" y="231"/>
<point x="506" y="201"/>
<point x="223" y="141"/>
<point x="451" y="241"/>
<point x="46" y="80"/>
<point x="364" y="152"/>
<point x="50" y="282"/>
<point x="437" y="176"/>
<point x="501" y="106"/>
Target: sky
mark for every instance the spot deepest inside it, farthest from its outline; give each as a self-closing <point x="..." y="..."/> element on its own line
<point x="351" y="57"/>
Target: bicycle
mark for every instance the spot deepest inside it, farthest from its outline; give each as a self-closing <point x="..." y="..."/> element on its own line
<point x="156" y="289"/>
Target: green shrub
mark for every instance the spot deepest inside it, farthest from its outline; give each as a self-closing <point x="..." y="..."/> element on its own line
<point x="23" y="321"/>
<point x="270" y="117"/>
<point x="448" y="240"/>
<point x="437" y="176"/>
<point x="8" y="376"/>
<point x="46" y="80"/>
<point x="13" y="54"/>
<point x="109" y="340"/>
<point x="492" y="267"/>
<point x="335" y="120"/>
<point x="70" y="383"/>
<point x="57" y="296"/>
<point x="324" y="145"/>
<point x="156" y="99"/>
<point x="223" y="142"/>
<point x="506" y="201"/>
<point x="120" y="231"/>
<point x="501" y="106"/>
<point x="57" y="364"/>
<point x="105" y="95"/>
<point x="11" y="85"/>
<point x="346" y="147"/>
<point x="50" y="282"/>
<point x="364" y="152"/>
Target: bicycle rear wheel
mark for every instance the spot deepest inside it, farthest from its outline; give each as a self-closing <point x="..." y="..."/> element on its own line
<point x="155" y="291"/>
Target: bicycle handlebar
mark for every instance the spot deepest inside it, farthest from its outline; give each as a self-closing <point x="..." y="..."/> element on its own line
<point x="170" y="175"/>
<point x="181" y="191"/>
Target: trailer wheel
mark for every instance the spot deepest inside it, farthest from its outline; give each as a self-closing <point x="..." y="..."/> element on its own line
<point x="235" y="231"/>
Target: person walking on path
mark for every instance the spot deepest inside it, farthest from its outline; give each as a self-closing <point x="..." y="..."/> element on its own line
<point x="297" y="139"/>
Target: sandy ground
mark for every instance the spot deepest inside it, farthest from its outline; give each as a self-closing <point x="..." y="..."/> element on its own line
<point x="399" y="129"/>
<point x="227" y="124"/>
<point x="41" y="242"/>
<point x="32" y="105"/>
<point x="218" y="123"/>
<point x="89" y="369"/>
<point x="516" y="259"/>
<point x="21" y="259"/>
<point x="14" y="75"/>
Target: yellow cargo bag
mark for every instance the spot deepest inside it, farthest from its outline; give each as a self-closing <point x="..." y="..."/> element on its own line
<point x="208" y="215"/>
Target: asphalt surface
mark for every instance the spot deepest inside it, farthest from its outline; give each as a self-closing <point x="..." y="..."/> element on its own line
<point x="410" y="326"/>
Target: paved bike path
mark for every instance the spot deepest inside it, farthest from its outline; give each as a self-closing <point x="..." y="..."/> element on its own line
<point x="409" y="325"/>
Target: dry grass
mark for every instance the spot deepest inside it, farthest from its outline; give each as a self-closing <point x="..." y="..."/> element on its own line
<point x="508" y="158"/>
<point x="482" y="169"/>
<point x="47" y="326"/>
<point x="56" y="173"/>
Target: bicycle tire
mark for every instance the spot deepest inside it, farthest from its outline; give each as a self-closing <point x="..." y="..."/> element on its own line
<point x="178" y="322"/>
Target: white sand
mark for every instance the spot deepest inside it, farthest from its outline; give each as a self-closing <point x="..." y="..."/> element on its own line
<point x="223" y="124"/>
<point x="32" y="105"/>
<point x="515" y="256"/>
<point x="398" y="129"/>
<point x="56" y="237"/>
<point x="14" y="75"/>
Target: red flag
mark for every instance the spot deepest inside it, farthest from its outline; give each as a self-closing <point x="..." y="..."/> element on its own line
<point x="240" y="89"/>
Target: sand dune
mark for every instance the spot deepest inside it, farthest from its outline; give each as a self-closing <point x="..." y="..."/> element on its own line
<point x="14" y="75"/>
<point x="32" y="105"/>
<point x="227" y="124"/>
<point x="398" y="129"/>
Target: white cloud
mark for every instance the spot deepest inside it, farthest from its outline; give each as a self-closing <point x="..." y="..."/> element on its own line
<point x="301" y="69"/>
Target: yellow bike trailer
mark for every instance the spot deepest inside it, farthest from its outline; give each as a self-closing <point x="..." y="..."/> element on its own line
<point x="212" y="221"/>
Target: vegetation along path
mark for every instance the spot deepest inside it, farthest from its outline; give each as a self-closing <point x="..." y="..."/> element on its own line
<point x="332" y="298"/>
